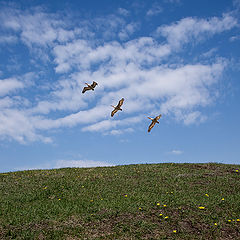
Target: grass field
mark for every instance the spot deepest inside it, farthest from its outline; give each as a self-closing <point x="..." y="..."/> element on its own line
<point x="149" y="201"/>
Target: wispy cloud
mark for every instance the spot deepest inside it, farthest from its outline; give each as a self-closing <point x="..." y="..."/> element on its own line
<point x="81" y="163"/>
<point x="8" y="39"/>
<point x="155" y="10"/>
<point x="193" y="29"/>
<point x="104" y="51"/>
<point x="176" y="152"/>
<point x="123" y="11"/>
<point x="67" y="164"/>
<point x="234" y="38"/>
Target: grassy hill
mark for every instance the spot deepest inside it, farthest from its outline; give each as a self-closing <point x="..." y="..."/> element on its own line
<point x="151" y="201"/>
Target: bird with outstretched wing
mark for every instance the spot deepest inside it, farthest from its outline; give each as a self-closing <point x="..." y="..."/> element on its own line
<point x="89" y="87"/>
<point x="118" y="107"/>
<point x="154" y="121"/>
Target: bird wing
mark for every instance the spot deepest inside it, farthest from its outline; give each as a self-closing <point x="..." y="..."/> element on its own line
<point x="113" y="112"/>
<point x="85" y="89"/>
<point x="151" y="126"/>
<point x="120" y="103"/>
<point x="94" y="84"/>
<point x="158" y="117"/>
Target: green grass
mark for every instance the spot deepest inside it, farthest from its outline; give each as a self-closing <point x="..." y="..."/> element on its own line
<point x="103" y="203"/>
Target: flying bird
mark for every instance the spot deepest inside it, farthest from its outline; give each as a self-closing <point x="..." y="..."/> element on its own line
<point x="154" y="121"/>
<point x="118" y="107"/>
<point x="89" y="87"/>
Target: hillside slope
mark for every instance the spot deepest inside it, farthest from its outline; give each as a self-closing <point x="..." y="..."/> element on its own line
<point x="151" y="201"/>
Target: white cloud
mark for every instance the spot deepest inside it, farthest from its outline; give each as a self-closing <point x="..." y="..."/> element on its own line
<point x="127" y="31"/>
<point x="16" y="124"/>
<point x="234" y="38"/>
<point x="123" y="11"/>
<point x="173" y="1"/>
<point x="66" y="164"/>
<point x="176" y="152"/>
<point x="236" y="3"/>
<point x="9" y="85"/>
<point x="81" y="163"/>
<point x="209" y="53"/>
<point x="104" y="125"/>
<point x="8" y="39"/>
<point x="119" y="132"/>
<point x="193" y="29"/>
<point x="190" y="118"/>
<point x="155" y="10"/>
<point x="136" y="70"/>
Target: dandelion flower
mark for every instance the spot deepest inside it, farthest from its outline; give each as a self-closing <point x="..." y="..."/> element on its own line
<point x="201" y="207"/>
<point x="238" y="220"/>
<point x="160" y="214"/>
<point x="236" y="170"/>
<point x="164" y="205"/>
<point x="215" y="224"/>
<point x="140" y="208"/>
<point x="166" y="217"/>
<point x="125" y="195"/>
<point x="229" y="220"/>
<point x="59" y="199"/>
<point x="174" y="231"/>
<point x="223" y="199"/>
<point x="206" y="195"/>
<point x="158" y="204"/>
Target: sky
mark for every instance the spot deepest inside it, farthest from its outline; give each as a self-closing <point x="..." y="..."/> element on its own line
<point x="178" y="58"/>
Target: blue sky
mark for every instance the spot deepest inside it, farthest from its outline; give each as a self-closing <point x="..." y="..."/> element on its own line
<point x="180" y="58"/>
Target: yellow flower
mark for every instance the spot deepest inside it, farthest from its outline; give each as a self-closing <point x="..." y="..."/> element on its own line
<point x="140" y="208"/>
<point x="201" y="207"/>
<point x="223" y="199"/>
<point x="215" y="224"/>
<point x="45" y="188"/>
<point x="125" y="195"/>
<point x="160" y="214"/>
<point x="238" y="220"/>
<point x="174" y="231"/>
<point x="158" y="204"/>
<point x="91" y="200"/>
<point x="236" y="170"/>
<point x="164" y="205"/>
<point x="207" y="195"/>
<point x="101" y="199"/>
<point x="166" y="217"/>
<point x="229" y="220"/>
<point x="59" y="199"/>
